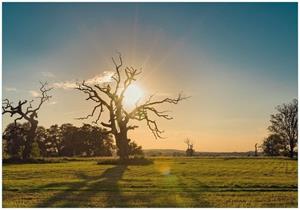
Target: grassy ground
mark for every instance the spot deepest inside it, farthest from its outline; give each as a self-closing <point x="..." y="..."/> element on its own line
<point x="168" y="182"/>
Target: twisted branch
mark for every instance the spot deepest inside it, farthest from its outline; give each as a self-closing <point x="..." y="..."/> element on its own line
<point x="30" y="113"/>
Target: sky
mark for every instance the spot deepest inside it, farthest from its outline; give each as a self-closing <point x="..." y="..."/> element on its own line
<point x="237" y="61"/>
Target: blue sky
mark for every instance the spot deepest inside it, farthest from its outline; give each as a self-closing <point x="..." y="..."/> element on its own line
<point x="238" y="60"/>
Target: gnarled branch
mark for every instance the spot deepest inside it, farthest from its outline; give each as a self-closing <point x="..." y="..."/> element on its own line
<point x="142" y="112"/>
<point x="29" y="113"/>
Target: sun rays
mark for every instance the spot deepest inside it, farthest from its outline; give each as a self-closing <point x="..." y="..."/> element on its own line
<point x="133" y="95"/>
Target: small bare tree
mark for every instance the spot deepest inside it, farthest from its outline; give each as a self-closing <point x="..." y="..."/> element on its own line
<point x="109" y="97"/>
<point x="24" y="110"/>
<point x="190" y="145"/>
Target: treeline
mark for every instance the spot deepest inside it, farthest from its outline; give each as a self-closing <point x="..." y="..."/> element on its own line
<point x="65" y="140"/>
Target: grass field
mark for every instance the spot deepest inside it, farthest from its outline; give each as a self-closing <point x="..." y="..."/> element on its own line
<point x="168" y="182"/>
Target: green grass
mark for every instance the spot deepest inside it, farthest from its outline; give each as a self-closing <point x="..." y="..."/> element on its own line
<point x="168" y="182"/>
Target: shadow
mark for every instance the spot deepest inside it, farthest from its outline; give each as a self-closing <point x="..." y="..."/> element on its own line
<point x="79" y="194"/>
<point x="195" y="194"/>
<point x="133" y="161"/>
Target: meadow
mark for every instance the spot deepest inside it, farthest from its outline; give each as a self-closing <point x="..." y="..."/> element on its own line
<point x="167" y="182"/>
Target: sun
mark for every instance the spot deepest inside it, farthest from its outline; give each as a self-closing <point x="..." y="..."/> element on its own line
<point x="132" y="95"/>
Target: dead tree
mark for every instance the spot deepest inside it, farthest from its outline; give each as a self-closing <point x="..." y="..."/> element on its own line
<point x="190" y="145"/>
<point x="24" y="110"/>
<point x="109" y="97"/>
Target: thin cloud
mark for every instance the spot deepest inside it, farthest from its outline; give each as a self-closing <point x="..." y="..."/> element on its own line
<point x="11" y="89"/>
<point x="65" y="85"/>
<point x="48" y="74"/>
<point x="52" y="102"/>
<point x="106" y="77"/>
<point x="34" y="93"/>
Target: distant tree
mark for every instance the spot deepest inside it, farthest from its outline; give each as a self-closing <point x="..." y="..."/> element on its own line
<point x="109" y="97"/>
<point x="69" y="142"/>
<point x="107" y="146"/>
<point x="29" y="114"/>
<point x="83" y="141"/>
<point x="14" y="136"/>
<point x="273" y="145"/>
<point x="189" y="151"/>
<point x="53" y="141"/>
<point x="285" y="124"/>
<point x="134" y="149"/>
<point x="40" y="143"/>
<point x="95" y="141"/>
<point x="35" y="151"/>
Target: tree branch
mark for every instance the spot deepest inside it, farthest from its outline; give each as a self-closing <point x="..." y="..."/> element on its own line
<point x="30" y="113"/>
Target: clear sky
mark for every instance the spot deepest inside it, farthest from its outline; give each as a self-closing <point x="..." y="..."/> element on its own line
<point x="237" y="61"/>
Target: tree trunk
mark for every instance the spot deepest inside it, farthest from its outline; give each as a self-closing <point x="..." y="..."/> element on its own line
<point x="29" y="140"/>
<point x="123" y="145"/>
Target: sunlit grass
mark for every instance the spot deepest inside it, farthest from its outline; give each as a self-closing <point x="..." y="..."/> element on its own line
<point x="168" y="182"/>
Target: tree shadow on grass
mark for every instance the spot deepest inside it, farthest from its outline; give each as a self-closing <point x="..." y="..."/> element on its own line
<point x="195" y="194"/>
<point x="79" y="194"/>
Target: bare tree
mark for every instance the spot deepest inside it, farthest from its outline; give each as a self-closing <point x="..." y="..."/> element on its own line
<point x="187" y="142"/>
<point x="285" y="124"/>
<point x="190" y="145"/>
<point x="25" y="110"/>
<point x="109" y="97"/>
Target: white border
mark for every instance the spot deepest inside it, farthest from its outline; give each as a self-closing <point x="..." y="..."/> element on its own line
<point x="138" y="1"/>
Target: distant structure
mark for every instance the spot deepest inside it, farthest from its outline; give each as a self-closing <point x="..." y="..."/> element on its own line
<point x="255" y="151"/>
<point x="190" y="151"/>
